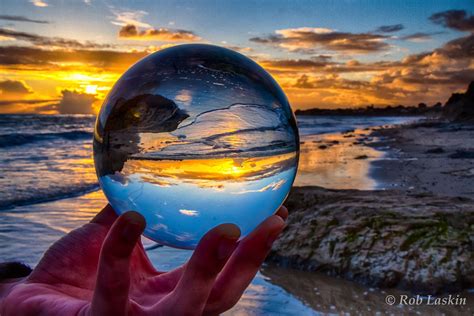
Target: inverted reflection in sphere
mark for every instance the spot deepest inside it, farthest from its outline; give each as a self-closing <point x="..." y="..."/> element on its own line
<point x="194" y="136"/>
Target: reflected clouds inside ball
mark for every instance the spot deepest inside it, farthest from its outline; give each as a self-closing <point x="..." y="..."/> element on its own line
<point x="194" y="136"/>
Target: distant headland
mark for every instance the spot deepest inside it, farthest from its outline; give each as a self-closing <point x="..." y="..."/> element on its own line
<point x="459" y="107"/>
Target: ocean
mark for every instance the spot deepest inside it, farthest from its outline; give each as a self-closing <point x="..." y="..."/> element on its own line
<point x="48" y="187"/>
<point x="49" y="157"/>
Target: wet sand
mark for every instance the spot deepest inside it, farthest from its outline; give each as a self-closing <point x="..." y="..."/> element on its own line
<point x="338" y="161"/>
<point x="330" y="295"/>
<point x="427" y="157"/>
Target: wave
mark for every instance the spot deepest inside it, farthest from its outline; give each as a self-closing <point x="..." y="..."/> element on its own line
<point x="18" y="139"/>
<point x="54" y="194"/>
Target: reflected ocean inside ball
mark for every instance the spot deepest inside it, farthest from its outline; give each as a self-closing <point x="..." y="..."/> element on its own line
<point x="194" y="136"/>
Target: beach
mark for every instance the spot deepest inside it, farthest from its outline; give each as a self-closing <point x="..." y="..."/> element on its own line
<point x="349" y="157"/>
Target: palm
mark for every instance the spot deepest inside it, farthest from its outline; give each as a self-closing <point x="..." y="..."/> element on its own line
<point x="89" y="271"/>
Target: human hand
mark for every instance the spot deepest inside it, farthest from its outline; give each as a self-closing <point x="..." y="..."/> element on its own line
<point x="101" y="268"/>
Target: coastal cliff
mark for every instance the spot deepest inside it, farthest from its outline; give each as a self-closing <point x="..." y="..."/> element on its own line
<point x="460" y="106"/>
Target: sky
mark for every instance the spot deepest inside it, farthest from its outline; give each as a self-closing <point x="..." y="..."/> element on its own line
<point x="64" y="56"/>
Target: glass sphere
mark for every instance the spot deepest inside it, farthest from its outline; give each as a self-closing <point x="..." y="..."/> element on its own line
<point x="194" y="136"/>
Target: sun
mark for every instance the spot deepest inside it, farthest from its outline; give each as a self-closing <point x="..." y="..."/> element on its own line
<point x="91" y="89"/>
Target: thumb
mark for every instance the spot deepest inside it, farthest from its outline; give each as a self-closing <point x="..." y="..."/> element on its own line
<point x="113" y="274"/>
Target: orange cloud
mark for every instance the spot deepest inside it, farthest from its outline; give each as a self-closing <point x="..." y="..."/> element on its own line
<point x="131" y="31"/>
<point x="310" y="40"/>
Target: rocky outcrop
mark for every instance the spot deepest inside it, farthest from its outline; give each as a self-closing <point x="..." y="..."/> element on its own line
<point x="460" y="106"/>
<point x="119" y="139"/>
<point x="424" y="243"/>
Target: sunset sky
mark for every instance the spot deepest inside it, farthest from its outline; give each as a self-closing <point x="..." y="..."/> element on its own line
<point x="64" y="56"/>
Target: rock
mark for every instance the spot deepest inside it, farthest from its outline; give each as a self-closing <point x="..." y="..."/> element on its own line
<point x="425" y="244"/>
<point x="437" y="150"/>
<point x="462" y="154"/>
<point x="322" y="146"/>
<point x="460" y="106"/>
<point x="362" y="157"/>
<point x="120" y="137"/>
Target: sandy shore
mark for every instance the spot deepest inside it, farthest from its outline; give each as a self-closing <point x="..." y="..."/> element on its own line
<point x="431" y="157"/>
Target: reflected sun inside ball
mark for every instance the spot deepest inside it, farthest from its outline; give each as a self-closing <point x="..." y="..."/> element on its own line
<point x="194" y="136"/>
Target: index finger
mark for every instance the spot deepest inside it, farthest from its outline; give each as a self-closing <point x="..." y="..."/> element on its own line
<point x="106" y="217"/>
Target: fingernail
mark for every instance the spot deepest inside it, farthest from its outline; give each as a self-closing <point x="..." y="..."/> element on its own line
<point x="227" y="244"/>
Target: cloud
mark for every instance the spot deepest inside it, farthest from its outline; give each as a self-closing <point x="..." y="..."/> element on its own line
<point x="13" y="88"/>
<point x="49" y="42"/>
<point x="419" y="36"/>
<point x="26" y="106"/>
<point x="455" y="19"/>
<point x="18" y="18"/>
<point x="309" y="40"/>
<point x="425" y="77"/>
<point x="73" y="102"/>
<point x="35" y="58"/>
<point x="39" y="3"/>
<point x="294" y="65"/>
<point x="131" y="31"/>
<point x="123" y="18"/>
<point x="389" y="28"/>
<point x="240" y="49"/>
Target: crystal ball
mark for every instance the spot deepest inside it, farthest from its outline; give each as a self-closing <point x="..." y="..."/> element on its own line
<point x="194" y="136"/>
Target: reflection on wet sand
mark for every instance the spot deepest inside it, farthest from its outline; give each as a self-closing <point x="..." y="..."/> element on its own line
<point x="336" y="161"/>
<point x="209" y="173"/>
<point x="337" y="296"/>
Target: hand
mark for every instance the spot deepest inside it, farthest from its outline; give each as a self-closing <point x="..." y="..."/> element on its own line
<point x="101" y="268"/>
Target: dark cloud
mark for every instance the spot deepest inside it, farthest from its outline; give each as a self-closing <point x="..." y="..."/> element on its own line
<point x="303" y="82"/>
<point x="73" y="102"/>
<point x="13" y="87"/>
<point x="455" y="19"/>
<point x="458" y="77"/>
<point x="294" y="64"/>
<point x="419" y="36"/>
<point x="45" y="41"/>
<point x="32" y="101"/>
<point x="131" y="31"/>
<point x="18" y="57"/>
<point x="17" y="18"/>
<point x="327" y="66"/>
<point x="459" y="48"/>
<point x="309" y="40"/>
<point x="390" y="28"/>
<point x="26" y="106"/>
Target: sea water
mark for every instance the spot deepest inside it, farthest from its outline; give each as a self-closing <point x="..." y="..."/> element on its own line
<point x="195" y="136"/>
